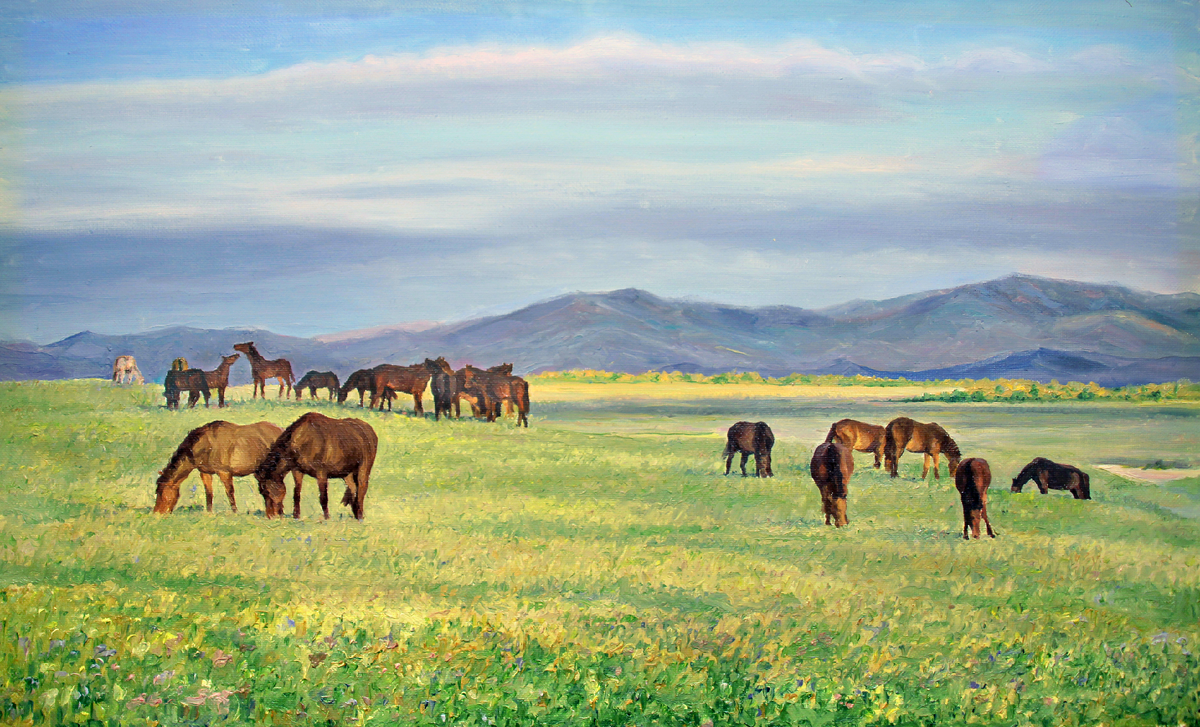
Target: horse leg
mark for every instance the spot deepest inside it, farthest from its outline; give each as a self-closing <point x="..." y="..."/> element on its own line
<point x="925" y="469"/>
<point x="876" y="452"/>
<point x="839" y="512"/>
<point x="991" y="533"/>
<point x="323" y="484"/>
<point x="297" y="480"/>
<point x="827" y="504"/>
<point x="206" y="478"/>
<point x="227" y="480"/>
<point x="937" y="476"/>
<point x="418" y="404"/>
<point x="282" y="381"/>
<point x="221" y="401"/>
<point x="728" y="463"/>
<point x="745" y="456"/>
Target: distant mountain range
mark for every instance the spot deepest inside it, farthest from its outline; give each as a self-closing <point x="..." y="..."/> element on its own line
<point x="1015" y="327"/>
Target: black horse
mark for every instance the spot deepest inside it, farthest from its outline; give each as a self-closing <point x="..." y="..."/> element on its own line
<point x="750" y="438"/>
<point x="1049" y="475"/>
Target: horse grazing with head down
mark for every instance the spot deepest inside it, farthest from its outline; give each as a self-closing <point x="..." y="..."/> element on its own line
<point x="321" y="447"/>
<point x="219" y="379"/>
<point x="831" y="467"/>
<point x="1049" y="475"/>
<point x="490" y="389"/>
<point x="261" y="369"/>
<point x="750" y="439"/>
<point x="314" y="380"/>
<point x="858" y="436"/>
<point x="125" y="371"/>
<point x="217" y="448"/>
<point x="193" y="381"/>
<point x="972" y="481"/>
<point x="903" y="433"/>
<point x="360" y="380"/>
<point x="410" y="380"/>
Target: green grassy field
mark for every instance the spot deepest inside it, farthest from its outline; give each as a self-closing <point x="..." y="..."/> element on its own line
<point x="597" y="568"/>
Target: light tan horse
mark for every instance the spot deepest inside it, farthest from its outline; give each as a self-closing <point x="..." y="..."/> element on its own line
<point x="125" y="371"/>
<point x="217" y="448"/>
<point x="904" y="433"/>
<point x="858" y="436"/>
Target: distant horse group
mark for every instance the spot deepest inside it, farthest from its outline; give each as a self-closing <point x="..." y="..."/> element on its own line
<point x="832" y="464"/>
<point x="314" y="445"/>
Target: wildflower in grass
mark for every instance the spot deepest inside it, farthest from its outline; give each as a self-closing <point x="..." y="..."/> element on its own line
<point x="220" y="658"/>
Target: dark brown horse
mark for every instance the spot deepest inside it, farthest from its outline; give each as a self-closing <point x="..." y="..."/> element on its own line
<point x="903" y="433"/>
<point x="750" y="438"/>
<point x="261" y="369"/>
<point x="321" y="447"/>
<point x="490" y="389"/>
<point x="443" y="384"/>
<point x="858" y="436"/>
<point x="831" y="467"/>
<point x="410" y="380"/>
<point x="360" y="380"/>
<point x="219" y="379"/>
<point x="193" y="381"/>
<point x="972" y="480"/>
<point x="1049" y="475"/>
<point x="314" y="380"/>
<point x="217" y="448"/>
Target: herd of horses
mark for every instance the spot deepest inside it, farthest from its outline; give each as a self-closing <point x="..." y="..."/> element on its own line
<point x="488" y="391"/>
<point x="832" y="464"/>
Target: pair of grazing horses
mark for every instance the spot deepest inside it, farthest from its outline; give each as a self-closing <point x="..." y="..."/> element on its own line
<point x="890" y="442"/>
<point x="198" y="383"/>
<point x="314" y="445"/>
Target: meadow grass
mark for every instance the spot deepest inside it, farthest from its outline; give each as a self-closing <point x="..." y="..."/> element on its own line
<point x="598" y="568"/>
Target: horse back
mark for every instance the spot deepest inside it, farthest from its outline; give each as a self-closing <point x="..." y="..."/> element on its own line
<point x="831" y="467"/>
<point x="740" y="438"/>
<point x="319" y="445"/>
<point x="972" y="480"/>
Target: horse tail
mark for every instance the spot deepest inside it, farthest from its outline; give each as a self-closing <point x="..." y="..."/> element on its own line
<point x="833" y="463"/>
<point x="1086" y="489"/>
<point x="832" y="433"/>
<point x="967" y="482"/>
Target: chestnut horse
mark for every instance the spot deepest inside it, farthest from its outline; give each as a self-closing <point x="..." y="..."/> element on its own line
<point x="261" y="369"/>
<point x="750" y="438"/>
<point x="217" y="448"/>
<point x="219" y="379"/>
<point x="193" y="381"/>
<point x="490" y="389"/>
<point x="402" y="379"/>
<point x="321" y="447"/>
<point x="314" y="380"/>
<point x="125" y="371"/>
<point x="858" y="436"/>
<point x="903" y="433"/>
<point x="972" y="481"/>
<point x="1049" y="475"/>
<point x="831" y="467"/>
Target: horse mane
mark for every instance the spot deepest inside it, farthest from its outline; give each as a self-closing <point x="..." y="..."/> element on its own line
<point x="950" y="447"/>
<point x="189" y="442"/>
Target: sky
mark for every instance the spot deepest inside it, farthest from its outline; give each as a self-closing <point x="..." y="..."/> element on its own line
<point x="312" y="167"/>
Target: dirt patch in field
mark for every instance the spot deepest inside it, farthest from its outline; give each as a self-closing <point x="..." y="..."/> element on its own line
<point x="1154" y="476"/>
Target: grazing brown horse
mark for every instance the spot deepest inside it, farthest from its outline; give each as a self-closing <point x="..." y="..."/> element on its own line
<point x="831" y="467"/>
<point x="1049" y="475"/>
<point x="403" y="380"/>
<point x="180" y="364"/>
<point x="261" y="369"/>
<point x="858" y="436"/>
<point x="193" y="381"/>
<point x="321" y="447"/>
<point x="903" y="433"/>
<point x="217" y="448"/>
<point x="461" y="393"/>
<point x="314" y="380"/>
<point x="219" y="379"/>
<point x="750" y="438"/>
<point x="490" y="389"/>
<point x="125" y="371"/>
<point x="361" y="380"/>
<point x="972" y="480"/>
<point x="443" y="385"/>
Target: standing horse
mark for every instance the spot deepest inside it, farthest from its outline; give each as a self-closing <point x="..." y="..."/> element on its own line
<point x="443" y="385"/>
<point x="217" y="448"/>
<point x="490" y="389"/>
<point x="831" y="467"/>
<point x="402" y="379"/>
<point x="219" y="379"/>
<point x="125" y="371"/>
<point x="361" y="380"/>
<point x="193" y="381"/>
<point x="748" y="438"/>
<point x="314" y="380"/>
<point x="858" y="436"/>
<point x="321" y="447"/>
<point x="903" y="433"/>
<point x="972" y="481"/>
<point x="180" y="364"/>
<point x="261" y="369"/>
<point x="1049" y="475"/>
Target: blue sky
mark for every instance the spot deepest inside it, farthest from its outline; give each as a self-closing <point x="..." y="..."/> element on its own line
<point x="313" y="167"/>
